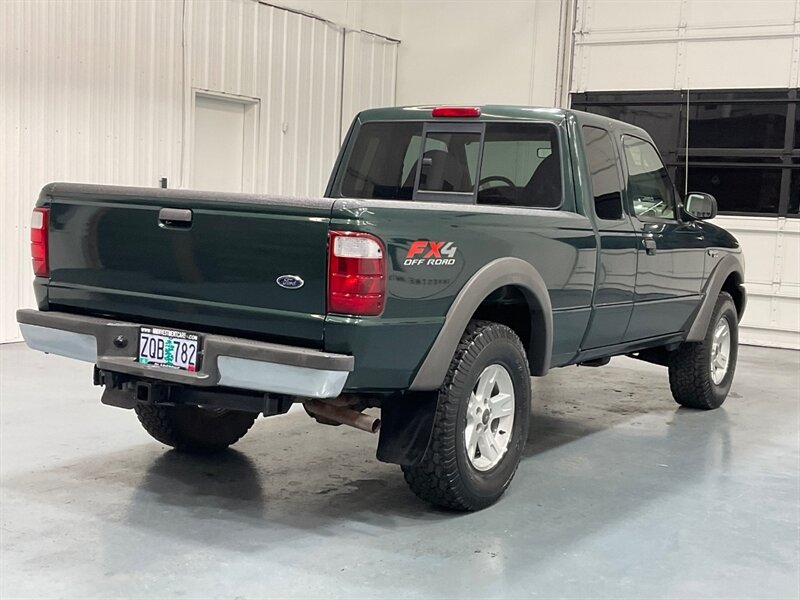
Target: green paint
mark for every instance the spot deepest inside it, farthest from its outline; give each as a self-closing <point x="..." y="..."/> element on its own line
<point x="169" y="350"/>
<point x="219" y="275"/>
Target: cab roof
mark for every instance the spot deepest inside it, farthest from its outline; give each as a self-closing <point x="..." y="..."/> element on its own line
<point x="500" y="112"/>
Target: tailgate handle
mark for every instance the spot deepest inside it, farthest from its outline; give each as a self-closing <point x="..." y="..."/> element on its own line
<point x="178" y="218"/>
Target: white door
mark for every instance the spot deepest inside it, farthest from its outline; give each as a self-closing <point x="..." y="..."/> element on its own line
<point x="221" y="149"/>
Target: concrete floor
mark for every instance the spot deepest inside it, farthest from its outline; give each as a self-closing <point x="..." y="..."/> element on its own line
<point x="620" y="494"/>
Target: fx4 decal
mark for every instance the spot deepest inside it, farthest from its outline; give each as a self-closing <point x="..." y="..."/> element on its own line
<point x="426" y="252"/>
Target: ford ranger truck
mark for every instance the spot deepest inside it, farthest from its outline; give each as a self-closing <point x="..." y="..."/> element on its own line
<point x="457" y="252"/>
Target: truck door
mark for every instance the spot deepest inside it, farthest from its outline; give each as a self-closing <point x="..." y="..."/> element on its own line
<point x="671" y="252"/>
<point x="616" y="263"/>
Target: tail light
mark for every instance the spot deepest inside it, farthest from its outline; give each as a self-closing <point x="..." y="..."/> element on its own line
<point x="456" y="111"/>
<point x="356" y="274"/>
<point x="40" y="222"/>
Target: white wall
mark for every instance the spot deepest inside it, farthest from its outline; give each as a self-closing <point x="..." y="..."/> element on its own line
<point x="772" y="251"/>
<point x="479" y="52"/>
<point x="292" y="66"/>
<point x="708" y="44"/>
<point x="77" y="76"/>
<point x="680" y="44"/>
<point x="103" y="92"/>
<point x="376" y="16"/>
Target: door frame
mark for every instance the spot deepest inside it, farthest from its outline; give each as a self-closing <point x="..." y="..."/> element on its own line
<point x="252" y="117"/>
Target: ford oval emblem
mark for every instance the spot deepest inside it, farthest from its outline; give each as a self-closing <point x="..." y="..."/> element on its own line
<point x="290" y="282"/>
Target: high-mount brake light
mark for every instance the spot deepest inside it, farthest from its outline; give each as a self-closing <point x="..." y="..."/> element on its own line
<point x="356" y="274"/>
<point x="456" y="111"/>
<point x="40" y="224"/>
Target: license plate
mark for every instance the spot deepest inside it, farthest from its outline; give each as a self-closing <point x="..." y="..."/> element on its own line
<point x="168" y="348"/>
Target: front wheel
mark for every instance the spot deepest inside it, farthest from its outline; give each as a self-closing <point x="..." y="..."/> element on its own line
<point x="701" y="373"/>
<point x="481" y="422"/>
<point x="194" y="428"/>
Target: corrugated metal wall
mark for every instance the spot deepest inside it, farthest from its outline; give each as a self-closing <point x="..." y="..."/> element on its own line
<point x="367" y="60"/>
<point x="104" y="92"/>
<point x="89" y="91"/>
<point x="704" y="45"/>
<point x="298" y="85"/>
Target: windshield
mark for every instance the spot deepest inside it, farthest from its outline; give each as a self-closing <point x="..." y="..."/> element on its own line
<point x="518" y="163"/>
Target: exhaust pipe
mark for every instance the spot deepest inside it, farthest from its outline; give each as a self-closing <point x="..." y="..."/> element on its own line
<point x="341" y="415"/>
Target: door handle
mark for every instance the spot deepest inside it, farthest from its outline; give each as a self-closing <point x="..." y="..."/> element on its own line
<point x="176" y="218"/>
<point x="649" y="245"/>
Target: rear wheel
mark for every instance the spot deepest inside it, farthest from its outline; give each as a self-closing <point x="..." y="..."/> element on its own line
<point x="193" y="428"/>
<point x="701" y="373"/>
<point x="481" y="422"/>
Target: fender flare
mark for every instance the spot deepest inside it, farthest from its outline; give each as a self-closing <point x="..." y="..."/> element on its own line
<point x="496" y="274"/>
<point x="729" y="264"/>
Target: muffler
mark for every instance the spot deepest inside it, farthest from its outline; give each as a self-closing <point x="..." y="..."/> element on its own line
<point x="342" y="415"/>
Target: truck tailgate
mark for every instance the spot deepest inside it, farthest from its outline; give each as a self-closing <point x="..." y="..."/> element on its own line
<point x="115" y="251"/>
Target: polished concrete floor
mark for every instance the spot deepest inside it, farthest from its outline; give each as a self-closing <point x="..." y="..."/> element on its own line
<point x="620" y="495"/>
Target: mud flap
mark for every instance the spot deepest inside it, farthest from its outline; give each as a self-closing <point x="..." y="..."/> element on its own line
<point x="406" y="428"/>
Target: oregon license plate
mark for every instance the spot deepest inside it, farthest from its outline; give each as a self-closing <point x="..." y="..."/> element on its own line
<point x="168" y="348"/>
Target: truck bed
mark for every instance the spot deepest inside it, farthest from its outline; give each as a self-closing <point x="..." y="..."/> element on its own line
<point x="193" y="258"/>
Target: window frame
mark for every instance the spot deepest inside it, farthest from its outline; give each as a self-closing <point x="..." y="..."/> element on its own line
<point x="428" y="127"/>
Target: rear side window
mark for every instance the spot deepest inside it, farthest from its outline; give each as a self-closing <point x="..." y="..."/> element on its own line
<point x="602" y="163"/>
<point x="521" y="166"/>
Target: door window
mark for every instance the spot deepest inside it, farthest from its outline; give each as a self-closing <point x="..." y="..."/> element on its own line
<point x="602" y="162"/>
<point x="649" y="187"/>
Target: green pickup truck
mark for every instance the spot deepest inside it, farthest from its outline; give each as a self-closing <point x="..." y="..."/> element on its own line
<point x="457" y="251"/>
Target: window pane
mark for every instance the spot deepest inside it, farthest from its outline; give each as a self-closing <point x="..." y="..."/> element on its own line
<point x="520" y="166"/>
<point x="603" y="172"/>
<point x="412" y="156"/>
<point x="446" y="167"/>
<point x="794" y="192"/>
<point x="378" y="165"/>
<point x="649" y="186"/>
<point x="737" y="125"/>
<point x="737" y="189"/>
<point x="797" y="127"/>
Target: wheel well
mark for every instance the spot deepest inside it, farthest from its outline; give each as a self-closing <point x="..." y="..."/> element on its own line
<point x="733" y="285"/>
<point x="511" y="306"/>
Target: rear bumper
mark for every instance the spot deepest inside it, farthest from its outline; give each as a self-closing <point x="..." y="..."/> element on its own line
<point x="226" y="361"/>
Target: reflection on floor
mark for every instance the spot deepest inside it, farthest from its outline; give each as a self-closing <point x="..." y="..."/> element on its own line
<point x="620" y="494"/>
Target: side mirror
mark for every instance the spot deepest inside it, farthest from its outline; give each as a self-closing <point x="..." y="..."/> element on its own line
<point x="701" y="205"/>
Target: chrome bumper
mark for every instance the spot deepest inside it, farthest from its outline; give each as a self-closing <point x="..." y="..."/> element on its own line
<point x="226" y="361"/>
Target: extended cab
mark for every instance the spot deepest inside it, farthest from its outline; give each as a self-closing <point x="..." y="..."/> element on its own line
<point x="457" y="251"/>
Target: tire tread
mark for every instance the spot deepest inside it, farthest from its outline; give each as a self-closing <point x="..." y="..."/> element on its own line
<point x="689" y="377"/>
<point x="163" y="423"/>
<point x="437" y="479"/>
